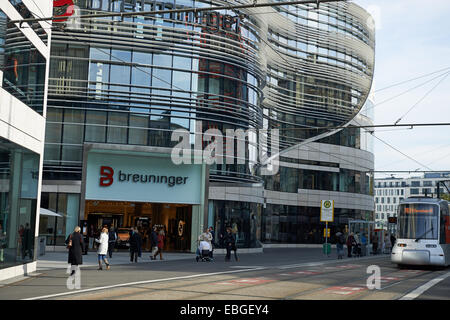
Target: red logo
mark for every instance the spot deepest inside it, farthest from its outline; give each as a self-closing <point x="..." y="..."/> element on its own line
<point x="106" y="176"/>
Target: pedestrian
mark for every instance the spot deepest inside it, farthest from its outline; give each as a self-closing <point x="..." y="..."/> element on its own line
<point x="363" y="244"/>
<point x="161" y="238"/>
<point x="207" y="236"/>
<point x="375" y="243"/>
<point x="349" y="243"/>
<point x="27" y="242"/>
<point x="393" y="240"/>
<point x="75" y="245"/>
<point x="388" y="244"/>
<point x="102" y="249"/>
<point x="340" y="244"/>
<point x="135" y="245"/>
<point x="20" y="239"/>
<point x="3" y="243"/>
<point x="91" y="237"/>
<point x="213" y="237"/>
<point x="357" y="245"/>
<point x="112" y="239"/>
<point x="230" y="244"/>
<point x="154" y="243"/>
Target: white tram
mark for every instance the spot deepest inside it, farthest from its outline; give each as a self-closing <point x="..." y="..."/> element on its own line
<point x="423" y="232"/>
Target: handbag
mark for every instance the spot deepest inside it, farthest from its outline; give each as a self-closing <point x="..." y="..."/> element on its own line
<point x="69" y="243"/>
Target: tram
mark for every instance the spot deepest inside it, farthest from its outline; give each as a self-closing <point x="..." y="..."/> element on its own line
<point x="423" y="232"/>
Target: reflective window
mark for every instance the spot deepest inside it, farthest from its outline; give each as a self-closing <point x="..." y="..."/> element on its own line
<point x="19" y="173"/>
<point x="117" y="131"/>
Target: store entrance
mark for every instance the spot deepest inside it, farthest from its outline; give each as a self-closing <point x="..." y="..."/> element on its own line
<point x="174" y="219"/>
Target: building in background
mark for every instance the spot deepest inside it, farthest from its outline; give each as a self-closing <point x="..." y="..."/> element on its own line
<point x="24" y="53"/>
<point x="390" y="191"/>
<point x="118" y="87"/>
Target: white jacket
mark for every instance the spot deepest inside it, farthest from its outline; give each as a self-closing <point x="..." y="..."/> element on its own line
<point x="103" y="247"/>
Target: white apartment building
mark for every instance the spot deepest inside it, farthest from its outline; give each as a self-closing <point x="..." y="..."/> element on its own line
<point x="390" y="191"/>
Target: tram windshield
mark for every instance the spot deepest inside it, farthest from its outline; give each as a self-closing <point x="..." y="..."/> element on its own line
<point x="418" y="221"/>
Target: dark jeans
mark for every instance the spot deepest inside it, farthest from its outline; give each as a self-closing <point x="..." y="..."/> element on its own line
<point x="110" y="248"/>
<point x="228" y="256"/>
<point x="134" y="255"/>
<point x="349" y="251"/>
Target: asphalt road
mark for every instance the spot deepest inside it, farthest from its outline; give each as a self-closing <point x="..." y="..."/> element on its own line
<point x="277" y="274"/>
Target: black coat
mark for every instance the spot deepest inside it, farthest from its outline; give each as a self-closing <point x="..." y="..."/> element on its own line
<point x="135" y="242"/>
<point x="229" y="238"/>
<point x="76" y="250"/>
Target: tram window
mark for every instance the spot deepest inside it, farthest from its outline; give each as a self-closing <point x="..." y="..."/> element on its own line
<point x="442" y="229"/>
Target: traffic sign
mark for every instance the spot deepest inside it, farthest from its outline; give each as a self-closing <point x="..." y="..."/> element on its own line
<point x="327" y="210"/>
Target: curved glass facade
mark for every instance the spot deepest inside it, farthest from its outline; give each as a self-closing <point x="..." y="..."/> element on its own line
<point x="134" y="80"/>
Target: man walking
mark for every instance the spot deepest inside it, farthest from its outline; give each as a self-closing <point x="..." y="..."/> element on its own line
<point x="112" y="238"/>
<point x="154" y="243"/>
<point x="135" y="245"/>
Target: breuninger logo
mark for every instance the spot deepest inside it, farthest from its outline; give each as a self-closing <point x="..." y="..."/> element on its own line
<point x="260" y="150"/>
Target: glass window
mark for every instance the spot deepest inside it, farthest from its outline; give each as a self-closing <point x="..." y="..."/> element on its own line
<point x="100" y="54"/>
<point x="73" y="126"/>
<point x="120" y="55"/>
<point x="141" y="77"/>
<point x="181" y="63"/>
<point x="120" y="75"/>
<point x="418" y="221"/>
<point x="95" y="126"/>
<point x="117" y="131"/>
<point x="142" y="57"/>
<point x="19" y="173"/>
<point x="161" y="78"/>
<point x="138" y="136"/>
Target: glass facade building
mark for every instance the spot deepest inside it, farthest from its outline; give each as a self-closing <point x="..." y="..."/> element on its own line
<point x="24" y="52"/>
<point x="133" y="80"/>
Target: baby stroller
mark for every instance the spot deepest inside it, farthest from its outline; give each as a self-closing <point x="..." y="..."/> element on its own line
<point x="203" y="256"/>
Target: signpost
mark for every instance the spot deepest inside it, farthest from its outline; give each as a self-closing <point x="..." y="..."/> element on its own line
<point x="326" y="215"/>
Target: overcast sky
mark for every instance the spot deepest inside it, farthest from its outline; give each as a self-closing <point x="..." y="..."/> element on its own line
<point x="412" y="39"/>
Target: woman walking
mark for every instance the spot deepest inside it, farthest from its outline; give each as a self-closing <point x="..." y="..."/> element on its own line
<point x="75" y="244"/>
<point x="230" y="244"/>
<point x="161" y="238"/>
<point x="103" y="249"/>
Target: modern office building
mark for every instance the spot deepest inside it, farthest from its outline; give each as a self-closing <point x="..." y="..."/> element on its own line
<point x="24" y="53"/>
<point x="390" y="191"/>
<point x="119" y="86"/>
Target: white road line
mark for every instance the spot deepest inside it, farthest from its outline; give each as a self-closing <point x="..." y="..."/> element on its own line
<point x="420" y="290"/>
<point x="138" y="283"/>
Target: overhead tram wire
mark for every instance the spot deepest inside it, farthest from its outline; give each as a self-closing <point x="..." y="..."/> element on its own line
<point x="183" y="10"/>
<point x="410" y="80"/>
<point x="421" y="99"/>
<point x="408" y="90"/>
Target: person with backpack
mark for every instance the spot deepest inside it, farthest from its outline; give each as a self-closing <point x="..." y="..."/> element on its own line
<point x="340" y="244"/>
<point x="112" y="238"/>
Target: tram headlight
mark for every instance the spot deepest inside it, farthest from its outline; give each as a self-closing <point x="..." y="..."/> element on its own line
<point x="431" y="246"/>
<point x="401" y="245"/>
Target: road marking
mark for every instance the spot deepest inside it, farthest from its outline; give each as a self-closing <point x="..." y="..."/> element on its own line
<point x="245" y="281"/>
<point x="344" y="290"/>
<point x="138" y="283"/>
<point x="420" y="290"/>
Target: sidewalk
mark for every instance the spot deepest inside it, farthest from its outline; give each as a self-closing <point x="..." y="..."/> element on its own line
<point x="58" y="260"/>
